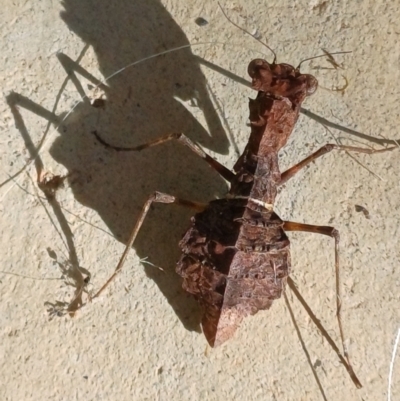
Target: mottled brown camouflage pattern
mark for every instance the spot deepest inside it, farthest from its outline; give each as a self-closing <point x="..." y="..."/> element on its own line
<point x="235" y="256"/>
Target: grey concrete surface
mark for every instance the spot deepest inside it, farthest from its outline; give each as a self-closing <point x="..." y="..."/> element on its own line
<point x="140" y="340"/>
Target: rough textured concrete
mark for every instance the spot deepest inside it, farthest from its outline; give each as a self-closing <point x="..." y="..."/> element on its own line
<point x="140" y="339"/>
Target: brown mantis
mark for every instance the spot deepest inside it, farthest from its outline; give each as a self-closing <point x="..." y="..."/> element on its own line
<point x="277" y="278"/>
<point x="235" y="256"/>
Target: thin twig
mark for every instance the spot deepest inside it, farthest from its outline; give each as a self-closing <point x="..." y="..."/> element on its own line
<point x="391" y="368"/>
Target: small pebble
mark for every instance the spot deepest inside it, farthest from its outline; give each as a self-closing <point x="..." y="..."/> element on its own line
<point x="363" y="210"/>
<point x="201" y="21"/>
